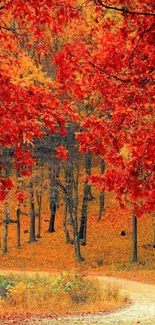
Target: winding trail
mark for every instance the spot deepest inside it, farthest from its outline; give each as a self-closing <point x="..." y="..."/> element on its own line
<point x="141" y="311"/>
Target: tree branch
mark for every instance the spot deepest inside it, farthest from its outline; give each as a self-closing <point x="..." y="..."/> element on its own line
<point x="140" y="38"/>
<point x="13" y="31"/>
<point x="108" y="74"/>
<point x="125" y="10"/>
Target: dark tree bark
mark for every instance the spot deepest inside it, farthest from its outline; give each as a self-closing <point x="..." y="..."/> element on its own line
<point x="39" y="192"/>
<point x="54" y="171"/>
<point x="18" y="228"/>
<point x="68" y="239"/>
<point x="88" y="167"/>
<point x="39" y="202"/>
<point x="67" y="189"/>
<point x="32" y="214"/>
<point x="134" y="238"/>
<point x="87" y="196"/>
<point x="77" y="241"/>
<point x="75" y="216"/>
<point x="53" y="208"/>
<point x="72" y="191"/>
<point x="6" y="222"/>
<point x="102" y="194"/>
<point x="84" y="214"/>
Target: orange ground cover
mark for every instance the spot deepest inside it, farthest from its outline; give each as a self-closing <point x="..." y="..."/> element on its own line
<point x="52" y="254"/>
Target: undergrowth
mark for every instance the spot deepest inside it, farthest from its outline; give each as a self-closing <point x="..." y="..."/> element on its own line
<point x="59" y="295"/>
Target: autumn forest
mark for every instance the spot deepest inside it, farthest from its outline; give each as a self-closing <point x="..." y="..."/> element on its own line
<point x="77" y="143"/>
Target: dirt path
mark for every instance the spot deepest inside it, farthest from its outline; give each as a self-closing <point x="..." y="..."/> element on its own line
<point x="141" y="311"/>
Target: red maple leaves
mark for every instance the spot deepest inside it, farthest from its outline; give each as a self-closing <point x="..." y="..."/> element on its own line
<point x="6" y="185"/>
<point x="111" y="57"/>
<point x="62" y="153"/>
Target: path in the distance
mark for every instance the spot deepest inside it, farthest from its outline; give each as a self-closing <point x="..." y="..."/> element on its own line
<point x="141" y="311"/>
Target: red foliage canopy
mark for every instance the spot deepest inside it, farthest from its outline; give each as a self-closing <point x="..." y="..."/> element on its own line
<point x="114" y="58"/>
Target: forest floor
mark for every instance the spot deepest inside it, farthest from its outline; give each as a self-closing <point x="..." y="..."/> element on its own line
<point x="106" y="253"/>
<point x="140" y="311"/>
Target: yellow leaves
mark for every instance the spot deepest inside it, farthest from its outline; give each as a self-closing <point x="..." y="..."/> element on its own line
<point x="26" y="73"/>
<point x="91" y="15"/>
<point x="22" y="68"/>
<point x="125" y="152"/>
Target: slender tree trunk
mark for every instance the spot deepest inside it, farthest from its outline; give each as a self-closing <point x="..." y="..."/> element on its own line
<point x="54" y="172"/>
<point x="76" y="234"/>
<point x="84" y="215"/>
<point x="87" y="196"/>
<point x="53" y="208"/>
<point x="134" y="238"/>
<point x="75" y="215"/>
<point x="88" y="167"/>
<point x="77" y="241"/>
<point x="39" y="202"/>
<point x="68" y="207"/>
<point x="69" y="188"/>
<point x="18" y="227"/>
<point x="72" y="191"/>
<point x="39" y="194"/>
<point x="68" y="239"/>
<point x="32" y="214"/>
<point x="101" y="205"/>
<point x="102" y="194"/>
<point x="6" y="222"/>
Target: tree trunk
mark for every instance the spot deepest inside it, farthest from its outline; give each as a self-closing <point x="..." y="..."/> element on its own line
<point x="68" y="240"/>
<point x="18" y="228"/>
<point x="72" y="191"/>
<point x="54" y="172"/>
<point x="87" y="196"/>
<point x="75" y="216"/>
<point x="39" y="194"/>
<point x="68" y="203"/>
<point x="32" y="214"/>
<point x="6" y="222"/>
<point x="102" y="194"/>
<point x="75" y="229"/>
<point x="84" y="214"/>
<point x="134" y="238"/>
<point x="39" y="202"/>
<point x="53" y="207"/>
<point x="88" y="167"/>
<point x="77" y="241"/>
